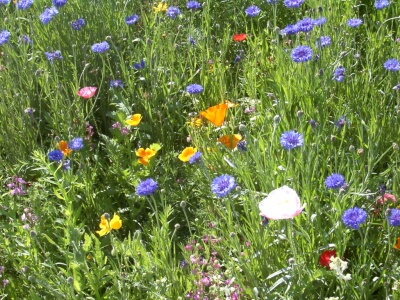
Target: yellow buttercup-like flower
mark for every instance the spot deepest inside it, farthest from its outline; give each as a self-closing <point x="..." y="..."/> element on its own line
<point x="162" y="6"/>
<point x="187" y="153"/>
<point x="106" y="226"/>
<point x="134" y="120"/>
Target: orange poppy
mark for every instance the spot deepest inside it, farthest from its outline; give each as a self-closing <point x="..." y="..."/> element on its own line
<point x="63" y="146"/>
<point x="134" y="120"/>
<point x="397" y="245"/>
<point x="215" y="114"/>
<point x="145" y="155"/>
<point x="230" y="141"/>
<point x="187" y="153"/>
<point x="239" y="37"/>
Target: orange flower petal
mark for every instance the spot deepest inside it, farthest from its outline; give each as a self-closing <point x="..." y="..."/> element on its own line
<point x="215" y="114"/>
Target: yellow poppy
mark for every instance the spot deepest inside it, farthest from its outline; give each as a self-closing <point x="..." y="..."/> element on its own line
<point x="230" y="141"/>
<point x="63" y="146"/>
<point x="106" y="226"/>
<point x="162" y="6"/>
<point x="145" y="155"/>
<point x="187" y="153"/>
<point x="215" y="114"/>
<point x="397" y="245"/>
<point x="134" y="120"/>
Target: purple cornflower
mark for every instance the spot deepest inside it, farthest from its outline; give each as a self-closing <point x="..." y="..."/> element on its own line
<point x="53" y="55"/>
<point x="4" y="2"/>
<point x="320" y="21"/>
<point x="242" y="146"/>
<point x="78" y="24"/>
<point x="191" y="40"/>
<point x="338" y="74"/>
<point x="193" y="5"/>
<point x="125" y="130"/>
<point x="140" y="65"/>
<point x="76" y="144"/>
<point x="117" y="83"/>
<point x="4" y="37"/>
<point x="24" y="4"/>
<point x="173" y="12"/>
<point x="354" y="22"/>
<point x="340" y="122"/>
<point x="305" y="25"/>
<point x="194" y="88"/>
<point x="354" y="217"/>
<point x="48" y="15"/>
<point x="252" y="11"/>
<point x="313" y="124"/>
<point x="334" y="181"/>
<point x="301" y="54"/>
<point x="290" y="29"/>
<point x="392" y="65"/>
<point x="146" y="187"/>
<point x="393" y="217"/>
<point x="323" y="41"/>
<point x="237" y="59"/>
<point x="195" y="157"/>
<point x="100" y="47"/>
<point x="381" y="4"/>
<point x="291" y="139"/>
<point x="222" y="185"/>
<point x="26" y="39"/>
<point x="66" y="165"/>
<point x="130" y="20"/>
<point x="59" y="3"/>
<point x="55" y="155"/>
<point x="293" y="3"/>
<point x="272" y="1"/>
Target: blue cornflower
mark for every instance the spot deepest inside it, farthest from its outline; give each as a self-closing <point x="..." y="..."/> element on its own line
<point x="59" y="3"/>
<point x="354" y="217"/>
<point x="320" y="21"/>
<point x="53" y="55"/>
<point x="393" y="217"/>
<point x="338" y="74"/>
<point x="272" y="1"/>
<point x="193" y="5"/>
<point x="392" y="65"/>
<point x="354" y="22"/>
<point x="76" y="144"/>
<point x="24" y="4"/>
<point x="381" y="4"/>
<point x="313" y="124"/>
<point x="194" y="88"/>
<point x="139" y="66"/>
<point x="26" y="39"/>
<point x="241" y="146"/>
<point x="252" y="11"/>
<point x="78" y="24"/>
<point x="173" y="12"/>
<point x="237" y="59"/>
<point x="4" y="2"/>
<point x="290" y="29"/>
<point x="100" y="47"/>
<point x="222" y="185"/>
<point x="301" y="54"/>
<point x="195" y="157"/>
<point x="130" y="20"/>
<point x="323" y="41"/>
<point x="334" y="181"/>
<point x="117" y="83"/>
<point x="191" y="40"/>
<point x="146" y="187"/>
<point x="305" y="25"/>
<point x="293" y="3"/>
<point x="4" y="37"/>
<point x="66" y="165"/>
<point x="55" y="155"/>
<point x="48" y="15"/>
<point x="291" y="139"/>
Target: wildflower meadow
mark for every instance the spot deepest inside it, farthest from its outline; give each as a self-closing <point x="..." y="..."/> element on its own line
<point x="236" y="149"/>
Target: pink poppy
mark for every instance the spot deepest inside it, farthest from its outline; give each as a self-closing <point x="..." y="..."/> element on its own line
<point x="87" y="92"/>
<point x="282" y="203"/>
<point x="386" y="197"/>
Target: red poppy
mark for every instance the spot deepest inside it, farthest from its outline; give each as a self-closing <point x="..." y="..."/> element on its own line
<point x="325" y="256"/>
<point x="239" y="37"/>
